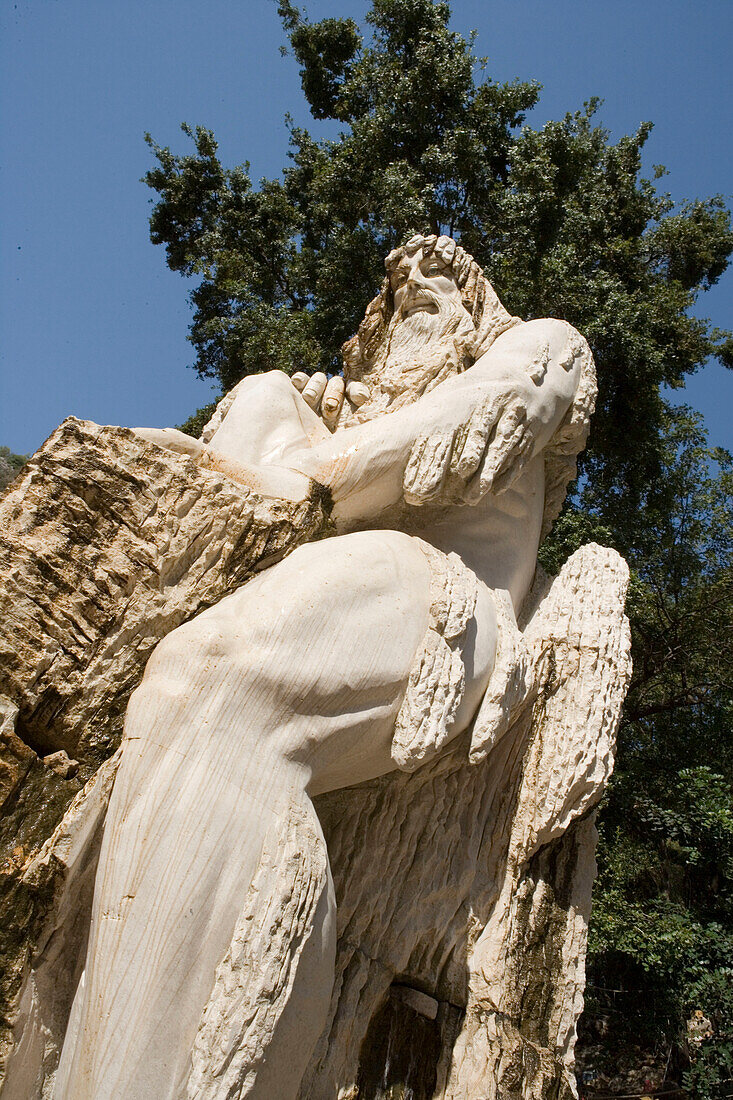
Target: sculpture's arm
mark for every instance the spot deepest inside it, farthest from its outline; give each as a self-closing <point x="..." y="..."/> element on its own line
<point x="529" y="378"/>
<point x="269" y="481"/>
<point x="543" y="360"/>
<point x="470" y="435"/>
<point x="172" y="439"/>
<point x="262" y="419"/>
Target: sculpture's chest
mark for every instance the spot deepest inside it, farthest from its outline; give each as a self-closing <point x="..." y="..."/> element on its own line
<point x="498" y="537"/>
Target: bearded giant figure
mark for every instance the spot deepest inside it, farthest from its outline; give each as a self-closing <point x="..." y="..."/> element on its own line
<point x="447" y="709"/>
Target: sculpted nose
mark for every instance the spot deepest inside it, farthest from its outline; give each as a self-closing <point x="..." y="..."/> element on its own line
<point x="415" y="280"/>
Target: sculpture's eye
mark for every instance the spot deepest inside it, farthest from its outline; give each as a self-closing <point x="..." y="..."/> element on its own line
<point x="436" y="268"/>
<point x="398" y="279"/>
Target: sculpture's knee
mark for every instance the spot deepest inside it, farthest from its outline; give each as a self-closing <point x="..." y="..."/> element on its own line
<point x="182" y="681"/>
<point x="278" y="380"/>
<point x="196" y="644"/>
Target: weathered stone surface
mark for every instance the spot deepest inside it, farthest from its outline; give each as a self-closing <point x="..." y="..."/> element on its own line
<point x="16" y="757"/>
<point x="61" y="876"/>
<point x="107" y="543"/>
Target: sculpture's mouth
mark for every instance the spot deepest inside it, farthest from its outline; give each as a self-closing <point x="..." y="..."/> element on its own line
<point x="419" y="304"/>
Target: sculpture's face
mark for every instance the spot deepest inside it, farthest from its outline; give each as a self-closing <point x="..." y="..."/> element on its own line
<point x="421" y="283"/>
<point x="429" y="328"/>
<point x="428" y="335"/>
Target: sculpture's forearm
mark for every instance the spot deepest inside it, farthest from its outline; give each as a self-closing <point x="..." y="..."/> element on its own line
<point x="269" y="481"/>
<point x="541" y="362"/>
<point x="172" y="439"/>
<point x="364" y="465"/>
<point x="471" y="435"/>
<point x="523" y="388"/>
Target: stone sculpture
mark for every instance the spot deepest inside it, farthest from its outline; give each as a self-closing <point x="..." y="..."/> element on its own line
<point x="411" y="639"/>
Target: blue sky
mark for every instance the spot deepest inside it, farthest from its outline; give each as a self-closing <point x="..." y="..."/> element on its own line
<point x="93" y="324"/>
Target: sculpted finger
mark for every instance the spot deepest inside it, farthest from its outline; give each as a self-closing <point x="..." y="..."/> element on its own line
<point x="470" y="446"/>
<point x="508" y="432"/>
<point x="510" y="470"/>
<point x="503" y="447"/>
<point x="427" y="467"/>
<point x="470" y="492"/>
<point x="333" y="399"/>
<point x="357" y="393"/>
<point x="314" y="389"/>
<point x="300" y="380"/>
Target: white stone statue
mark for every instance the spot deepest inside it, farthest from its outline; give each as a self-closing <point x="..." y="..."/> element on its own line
<point x="446" y="451"/>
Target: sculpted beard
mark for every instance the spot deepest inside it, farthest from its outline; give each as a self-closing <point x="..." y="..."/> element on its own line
<point x="422" y="348"/>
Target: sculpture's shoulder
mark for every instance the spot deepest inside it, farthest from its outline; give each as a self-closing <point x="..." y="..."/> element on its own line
<point x="529" y="340"/>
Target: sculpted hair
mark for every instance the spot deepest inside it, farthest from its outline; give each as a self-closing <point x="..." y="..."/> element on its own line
<point x="480" y="300"/>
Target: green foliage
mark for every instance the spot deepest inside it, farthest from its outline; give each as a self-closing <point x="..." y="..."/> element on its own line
<point x="196" y="423"/>
<point x="559" y="217"/>
<point x="565" y="226"/>
<point x="679" y="543"/>
<point x="662" y="929"/>
<point x="10" y="464"/>
<point x="424" y="146"/>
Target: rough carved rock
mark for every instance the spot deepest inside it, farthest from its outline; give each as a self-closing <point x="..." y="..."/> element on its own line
<point x="60" y="880"/>
<point x="107" y="543"/>
<point x="463" y="889"/>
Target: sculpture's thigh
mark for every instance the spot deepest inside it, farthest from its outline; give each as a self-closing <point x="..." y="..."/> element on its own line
<point x="308" y="664"/>
<point x="305" y="667"/>
<point x="291" y="684"/>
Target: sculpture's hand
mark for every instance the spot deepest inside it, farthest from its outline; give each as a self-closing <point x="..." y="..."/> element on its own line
<point x="326" y="395"/>
<point x="483" y="454"/>
<point x="485" y="461"/>
<point x="517" y="395"/>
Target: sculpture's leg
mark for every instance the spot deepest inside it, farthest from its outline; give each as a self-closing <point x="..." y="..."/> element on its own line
<point x="291" y="684"/>
<point x="267" y="420"/>
<point x="182" y="844"/>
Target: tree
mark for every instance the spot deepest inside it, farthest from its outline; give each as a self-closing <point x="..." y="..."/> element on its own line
<point x="565" y="226"/>
<point x="662" y="929"/>
<point x="559" y="218"/>
<point x="10" y="464"/>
